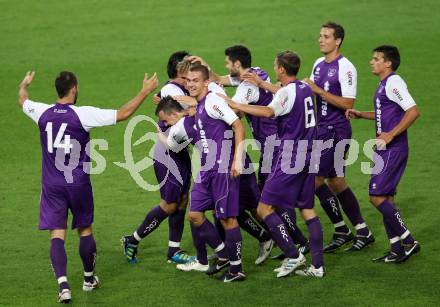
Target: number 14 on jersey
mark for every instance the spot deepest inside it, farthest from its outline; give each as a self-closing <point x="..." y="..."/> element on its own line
<point x="51" y="144"/>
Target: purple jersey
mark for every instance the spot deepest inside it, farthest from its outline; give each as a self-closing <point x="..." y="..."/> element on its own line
<point x="161" y="155"/>
<point x="172" y="88"/>
<point x="185" y="132"/>
<point x="250" y="94"/>
<point x="293" y="106"/>
<point x="64" y="135"/>
<point x="213" y="123"/>
<point x="391" y="100"/>
<point x="338" y="77"/>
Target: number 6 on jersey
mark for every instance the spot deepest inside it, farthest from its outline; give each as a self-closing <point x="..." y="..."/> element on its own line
<point x="309" y="111"/>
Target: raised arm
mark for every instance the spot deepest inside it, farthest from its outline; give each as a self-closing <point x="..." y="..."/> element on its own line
<point x="23" y="93"/>
<point x="223" y="80"/>
<point x="131" y="106"/>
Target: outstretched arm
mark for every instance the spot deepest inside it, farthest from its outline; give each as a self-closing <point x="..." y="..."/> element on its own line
<point x="337" y="101"/>
<point x="254" y="79"/>
<point x="22" y="90"/>
<point x="260" y="111"/>
<point x="223" y="80"/>
<point x="131" y="106"/>
<point x="355" y="114"/>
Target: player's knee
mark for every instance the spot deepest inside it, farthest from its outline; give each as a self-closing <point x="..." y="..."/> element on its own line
<point x="169" y="208"/>
<point x="319" y="181"/>
<point x="229" y="223"/>
<point x="376" y="200"/>
<point x="86" y="231"/>
<point x="337" y="184"/>
<point x="58" y="234"/>
<point x="308" y="214"/>
<point x="196" y="218"/>
<point x="183" y="202"/>
<point x="264" y="210"/>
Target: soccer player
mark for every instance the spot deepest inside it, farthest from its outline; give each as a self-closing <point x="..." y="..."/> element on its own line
<point x="173" y="192"/>
<point x="334" y="80"/>
<point x="183" y="132"/>
<point x="293" y="107"/>
<point x="217" y="183"/>
<point x="394" y="112"/>
<point x="64" y="135"/>
<point x="249" y="195"/>
<point x="238" y="62"/>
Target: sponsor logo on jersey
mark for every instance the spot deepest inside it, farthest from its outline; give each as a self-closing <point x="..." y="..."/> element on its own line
<point x="316" y="75"/>
<point x="350" y="77"/>
<point x="283" y="102"/>
<point x="378" y="116"/>
<point x="203" y="137"/>
<point x="331" y="72"/>
<point x="396" y="92"/>
<point x="217" y="109"/>
<point x="175" y="137"/>
<point x="31" y="110"/>
<point x="248" y="94"/>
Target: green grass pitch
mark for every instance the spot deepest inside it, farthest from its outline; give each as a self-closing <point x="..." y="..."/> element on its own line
<point x="109" y="45"/>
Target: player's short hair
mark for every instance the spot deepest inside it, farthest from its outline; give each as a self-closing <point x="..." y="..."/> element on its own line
<point x="239" y="53"/>
<point x="200" y="68"/>
<point x="174" y="59"/>
<point x="168" y="105"/>
<point x="390" y="53"/>
<point x="183" y="66"/>
<point x="64" y="82"/>
<point x="339" y="31"/>
<point x="290" y="61"/>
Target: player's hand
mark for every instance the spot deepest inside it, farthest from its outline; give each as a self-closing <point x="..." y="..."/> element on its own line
<point x="28" y="78"/>
<point x="316" y="89"/>
<point x="187" y="100"/>
<point x="237" y="167"/>
<point x="252" y="78"/>
<point x="191" y="111"/>
<point x="230" y="102"/>
<point x="223" y="96"/>
<point x="156" y="99"/>
<point x="383" y="139"/>
<point x="353" y="114"/>
<point x="150" y="84"/>
<point x="195" y="58"/>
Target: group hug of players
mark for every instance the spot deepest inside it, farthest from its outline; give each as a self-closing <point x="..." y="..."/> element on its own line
<point x="194" y="107"/>
<point x="287" y="119"/>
